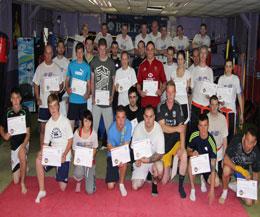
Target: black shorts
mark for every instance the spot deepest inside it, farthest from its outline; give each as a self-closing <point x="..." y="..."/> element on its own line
<point x="112" y="174"/>
<point x="62" y="172"/>
<point x="75" y="111"/>
<point x="170" y="140"/>
<point x="43" y="115"/>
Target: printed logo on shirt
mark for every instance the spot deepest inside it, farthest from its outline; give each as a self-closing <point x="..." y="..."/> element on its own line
<point x="204" y="78"/>
<point x="155" y="68"/>
<point x="174" y="114"/>
<point x="80" y="72"/>
<point x="56" y="133"/>
<point x="48" y="74"/>
<point x="102" y="78"/>
<point x="150" y="75"/>
<point x="206" y="148"/>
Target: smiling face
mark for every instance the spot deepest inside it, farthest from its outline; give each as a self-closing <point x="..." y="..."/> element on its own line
<point x="203" y="55"/>
<point x="54" y="108"/>
<point x="180" y="60"/>
<point x="214" y="106"/>
<point x="170" y="93"/>
<point x="124" y="60"/>
<point x="154" y="27"/>
<point x="203" y="128"/>
<point x="16" y="100"/>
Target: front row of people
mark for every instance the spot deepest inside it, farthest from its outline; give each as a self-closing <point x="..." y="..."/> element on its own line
<point x="166" y="132"/>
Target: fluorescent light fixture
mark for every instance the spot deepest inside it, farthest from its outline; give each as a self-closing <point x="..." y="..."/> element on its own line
<point x="186" y="3"/>
<point x="155" y="9"/>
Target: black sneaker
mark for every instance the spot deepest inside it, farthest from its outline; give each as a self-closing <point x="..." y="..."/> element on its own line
<point x="154" y="190"/>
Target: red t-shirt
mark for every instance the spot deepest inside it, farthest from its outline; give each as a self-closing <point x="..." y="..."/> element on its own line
<point x="155" y="72"/>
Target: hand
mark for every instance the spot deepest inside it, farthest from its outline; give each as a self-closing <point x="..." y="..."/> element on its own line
<point x="144" y="160"/>
<point x="143" y="93"/>
<point x="241" y="119"/>
<point x="39" y="102"/>
<point x="159" y="92"/>
<point x="138" y="163"/>
<point x="69" y="91"/>
<point x="86" y="96"/>
<point x="7" y="136"/>
<point x="63" y="158"/>
<point x="180" y="128"/>
<point x="195" y="153"/>
<point x="211" y="196"/>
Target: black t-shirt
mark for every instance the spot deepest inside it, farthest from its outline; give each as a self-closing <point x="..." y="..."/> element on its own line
<point x="172" y="118"/>
<point x="117" y="62"/>
<point x="16" y="140"/>
<point x="132" y="115"/>
<point x="136" y="62"/>
<point x="237" y="155"/>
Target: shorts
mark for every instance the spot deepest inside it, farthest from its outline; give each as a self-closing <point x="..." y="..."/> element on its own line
<point x="141" y="172"/>
<point x="43" y="115"/>
<point x="15" y="162"/>
<point x="167" y="158"/>
<point x="112" y="174"/>
<point x="75" y="111"/>
<point x="62" y="172"/>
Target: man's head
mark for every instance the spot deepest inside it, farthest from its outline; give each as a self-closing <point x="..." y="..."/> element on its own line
<point x="170" y="54"/>
<point x="53" y="105"/>
<point x="124" y="29"/>
<point x="143" y="29"/>
<point x="203" y="29"/>
<point x="84" y="30"/>
<point x="203" y="125"/>
<point x="170" y="91"/>
<point x="16" y="97"/>
<point x="114" y="48"/>
<point x="104" y="29"/>
<point x="229" y="67"/>
<point x="79" y="51"/>
<point x="48" y="53"/>
<point x="141" y="48"/>
<point x="120" y="117"/>
<point x="179" y="30"/>
<point x="203" y="53"/>
<point x="154" y="27"/>
<point x="149" y="117"/>
<point x="196" y="56"/>
<point x="132" y="96"/>
<point x="102" y="47"/>
<point x="60" y="47"/>
<point x="213" y="104"/>
<point x="124" y="59"/>
<point x="89" y="44"/>
<point x="163" y="31"/>
<point x="181" y="57"/>
<point x="249" y="140"/>
<point x="150" y="50"/>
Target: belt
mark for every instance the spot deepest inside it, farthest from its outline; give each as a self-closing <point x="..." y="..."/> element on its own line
<point x="226" y="111"/>
<point x="201" y="107"/>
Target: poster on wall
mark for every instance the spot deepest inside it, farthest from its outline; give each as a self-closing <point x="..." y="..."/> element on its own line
<point x="26" y="70"/>
<point x="16" y="24"/>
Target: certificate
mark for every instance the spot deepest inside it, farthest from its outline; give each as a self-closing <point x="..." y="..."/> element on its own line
<point x="224" y="94"/>
<point x="102" y="97"/>
<point x="134" y="123"/>
<point x="142" y="148"/>
<point x="16" y="125"/>
<point x="120" y="154"/>
<point x="51" y="156"/>
<point x="247" y="189"/>
<point x="208" y="88"/>
<point x="78" y="86"/>
<point x="83" y="156"/>
<point x="150" y="87"/>
<point x="124" y="84"/>
<point x="200" y="164"/>
<point x="181" y="88"/>
<point x="51" y="83"/>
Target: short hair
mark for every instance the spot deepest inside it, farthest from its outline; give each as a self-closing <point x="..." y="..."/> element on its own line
<point x="195" y="49"/>
<point x="143" y="24"/>
<point x="163" y="26"/>
<point x="79" y="45"/>
<point x="114" y="43"/>
<point x="88" y="116"/>
<point x="252" y="130"/>
<point x="204" y="47"/>
<point x="181" y="52"/>
<point x="170" y="83"/>
<point x="141" y="42"/>
<point x="214" y="97"/>
<point x="48" y="45"/>
<point x="16" y="90"/>
<point x="171" y="48"/>
<point x="124" y="24"/>
<point x="89" y="38"/>
<point x="124" y="52"/>
<point x="104" y="24"/>
<point x="155" y="21"/>
<point x="52" y="98"/>
<point x="229" y="60"/>
<point x="149" y="107"/>
<point x="150" y="42"/>
<point x="203" y="24"/>
<point x="60" y="41"/>
<point x="132" y="90"/>
<point x="203" y="117"/>
<point x="180" y="26"/>
<point x="102" y="42"/>
<point x="120" y="108"/>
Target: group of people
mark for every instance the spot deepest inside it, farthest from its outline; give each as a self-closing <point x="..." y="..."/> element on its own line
<point x="160" y="102"/>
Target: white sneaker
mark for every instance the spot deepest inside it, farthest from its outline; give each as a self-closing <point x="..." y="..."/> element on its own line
<point x="223" y="197"/>
<point x="192" y="195"/>
<point x="233" y="186"/>
<point x="122" y="190"/>
<point x="203" y="186"/>
<point x="40" y="195"/>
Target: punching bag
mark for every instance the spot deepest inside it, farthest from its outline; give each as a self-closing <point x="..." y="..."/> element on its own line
<point x="3" y="47"/>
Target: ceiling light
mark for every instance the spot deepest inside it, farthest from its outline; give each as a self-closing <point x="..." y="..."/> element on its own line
<point x="186" y="4"/>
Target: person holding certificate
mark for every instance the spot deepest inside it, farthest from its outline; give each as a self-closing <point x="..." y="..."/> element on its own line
<point x="58" y="134"/>
<point x="119" y="134"/>
<point x="19" y="141"/>
<point x="171" y="119"/>
<point x="78" y="85"/>
<point x="202" y="142"/>
<point x="86" y="137"/>
<point x="152" y="73"/>
<point x="241" y="154"/>
<point x="149" y="129"/>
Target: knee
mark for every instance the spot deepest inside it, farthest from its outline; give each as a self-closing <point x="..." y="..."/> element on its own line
<point x="226" y="171"/>
<point x="136" y="185"/>
<point x="249" y="202"/>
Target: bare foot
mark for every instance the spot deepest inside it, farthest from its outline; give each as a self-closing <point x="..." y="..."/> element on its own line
<point x="23" y="188"/>
<point x="78" y="187"/>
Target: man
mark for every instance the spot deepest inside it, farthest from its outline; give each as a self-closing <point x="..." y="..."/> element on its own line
<point x="162" y="44"/>
<point x="89" y="46"/>
<point x="80" y="38"/>
<point x="58" y="134"/>
<point x="241" y="154"/>
<point x="202" y="73"/>
<point x="218" y="128"/>
<point x="19" y="143"/>
<point x="63" y="64"/>
<point x="46" y="70"/>
<point x="114" y="55"/>
<point x="119" y="134"/>
<point x="195" y="58"/>
<point x="181" y="42"/>
<point x="124" y="40"/>
<point x="201" y="39"/>
<point x="78" y="70"/>
<point x="202" y="142"/>
<point x="149" y="129"/>
<point x="102" y="78"/>
<point x="151" y="69"/>
<point x="140" y="57"/>
<point x="171" y="119"/>
<point x="170" y="66"/>
<point x="103" y="34"/>
<point x="155" y="34"/>
<point x="142" y="36"/>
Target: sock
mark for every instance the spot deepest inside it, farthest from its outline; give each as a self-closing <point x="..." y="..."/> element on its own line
<point x="181" y="188"/>
<point x="192" y="195"/>
<point x="203" y="186"/>
<point x="154" y="189"/>
<point x="122" y="190"/>
<point x="40" y="195"/>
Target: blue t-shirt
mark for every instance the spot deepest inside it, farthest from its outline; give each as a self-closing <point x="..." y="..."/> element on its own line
<point x="79" y="71"/>
<point x="117" y="138"/>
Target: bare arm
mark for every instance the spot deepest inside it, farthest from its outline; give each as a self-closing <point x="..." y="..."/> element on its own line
<point x="37" y="94"/>
<point x="228" y="162"/>
<point x="225" y="144"/>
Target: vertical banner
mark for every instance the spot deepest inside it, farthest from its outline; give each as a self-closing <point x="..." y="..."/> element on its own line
<point x="26" y="70"/>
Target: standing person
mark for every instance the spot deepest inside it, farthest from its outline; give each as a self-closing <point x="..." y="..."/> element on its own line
<point x="86" y="137"/>
<point x="154" y="34"/>
<point x="140" y="57"/>
<point x="19" y="143"/>
<point x="46" y="70"/>
<point x="195" y="58"/>
<point x="231" y="81"/>
<point x="115" y="55"/>
<point x="79" y="71"/>
<point x="127" y="74"/>
<point x="151" y="69"/>
<point x="103" y="34"/>
<point x="124" y="41"/>
<point x="59" y="134"/>
<point x="143" y="36"/>
<point x="84" y="33"/>
<point x="181" y="42"/>
<point x="89" y="46"/>
<point x="201" y="39"/>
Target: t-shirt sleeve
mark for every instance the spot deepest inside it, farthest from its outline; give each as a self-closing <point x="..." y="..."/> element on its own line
<point x="211" y="78"/>
<point x="110" y="137"/>
<point x="133" y="77"/>
<point x="69" y="130"/>
<point x="47" y="138"/>
<point x="89" y="72"/>
<point x="68" y="74"/>
<point x="256" y="164"/>
<point x="192" y="143"/>
<point x="128" y="134"/>
<point x="195" y="39"/>
<point x="95" y="140"/>
<point x="180" y="115"/>
<point x="75" y="140"/>
<point x="238" y="86"/>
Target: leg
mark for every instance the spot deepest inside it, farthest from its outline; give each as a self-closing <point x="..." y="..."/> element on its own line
<point x="166" y="175"/>
<point x="96" y="117"/>
<point x="90" y="178"/>
<point x="16" y="176"/>
<point x="23" y="167"/>
<point x="112" y="174"/>
<point x="182" y="171"/>
<point x="122" y="172"/>
<point x="225" y="180"/>
<point x="108" y="117"/>
<point x="62" y="175"/>
<point x="40" y="177"/>
<point x="137" y="183"/>
<point x="42" y="131"/>
<point x="157" y="172"/>
<point x="78" y="176"/>
<point x="192" y="178"/>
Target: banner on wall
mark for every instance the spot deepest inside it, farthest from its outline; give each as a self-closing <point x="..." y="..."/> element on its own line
<point x="26" y="70"/>
<point x="115" y="21"/>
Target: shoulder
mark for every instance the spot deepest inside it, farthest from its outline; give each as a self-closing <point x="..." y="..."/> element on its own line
<point x="194" y="135"/>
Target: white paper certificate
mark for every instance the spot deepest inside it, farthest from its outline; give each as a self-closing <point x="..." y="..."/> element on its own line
<point x="181" y="88"/>
<point x="16" y="125"/>
<point x="224" y="94"/>
<point x="120" y="154"/>
<point x="134" y="123"/>
<point x="83" y="156"/>
<point x="51" y="83"/>
<point x="51" y="156"/>
<point x="247" y="189"/>
<point x="78" y="86"/>
<point x="124" y="84"/>
<point x="102" y="97"/>
<point x="200" y="164"/>
<point x="142" y="148"/>
<point x="208" y="88"/>
<point x="150" y="87"/>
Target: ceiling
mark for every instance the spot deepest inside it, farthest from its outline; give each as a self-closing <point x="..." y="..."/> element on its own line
<point x="157" y="7"/>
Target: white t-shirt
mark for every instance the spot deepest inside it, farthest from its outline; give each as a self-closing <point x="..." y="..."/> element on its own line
<point x="63" y="64"/>
<point x="182" y="99"/>
<point x="163" y="44"/>
<point x="181" y="44"/>
<point x="58" y="133"/>
<point x="108" y="38"/>
<point x="78" y="38"/>
<point x="233" y="82"/>
<point x="219" y="130"/>
<point x="191" y="68"/>
<point x="46" y="71"/>
<point x="156" y="136"/>
<point x="198" y="76"/>
<point x="140" y="38"/>
<point x="154" y="37"/>
<point x="199" y="41"/>
<point x="125" y="44"/>
<point x="90" y="142"/>
<point x="129" y="73"/>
